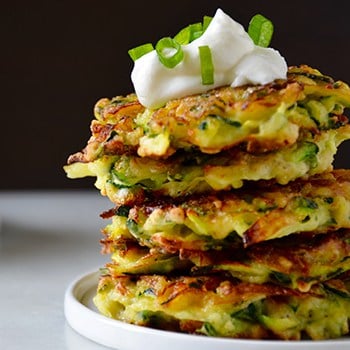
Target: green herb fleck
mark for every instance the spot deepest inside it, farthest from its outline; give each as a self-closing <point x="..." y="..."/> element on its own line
<point x="123" y="210"/>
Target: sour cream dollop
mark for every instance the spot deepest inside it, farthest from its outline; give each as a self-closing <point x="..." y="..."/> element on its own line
<point x="237" y="61"/>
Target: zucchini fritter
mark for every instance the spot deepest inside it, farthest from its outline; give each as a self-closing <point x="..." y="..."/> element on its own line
<point x="296" y="261"/>
<point x="220" y="306"/>
<point x="130" y="258"/>
<point x="128" y="179"/>
<point x="256" y="213"/>
<point x="258" y="118"/>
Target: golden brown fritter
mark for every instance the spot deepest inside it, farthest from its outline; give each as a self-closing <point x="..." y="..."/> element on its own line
<point x="257" y="213"/>
<point x="127" y="179"/>
<point x="258" y="118"/>
<point x="297" y="261"/>
<point x="220" y="306"/>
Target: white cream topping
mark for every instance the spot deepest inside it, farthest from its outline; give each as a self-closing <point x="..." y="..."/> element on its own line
<point x="236" y="59"/>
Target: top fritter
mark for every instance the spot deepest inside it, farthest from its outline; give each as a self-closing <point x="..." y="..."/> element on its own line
<point x="258" y="118"/>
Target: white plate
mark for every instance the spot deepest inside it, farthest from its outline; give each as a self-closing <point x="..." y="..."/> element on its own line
<point x="83" y="317"/>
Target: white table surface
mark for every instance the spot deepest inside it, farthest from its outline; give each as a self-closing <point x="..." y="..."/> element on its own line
<point x="47" y="239"/>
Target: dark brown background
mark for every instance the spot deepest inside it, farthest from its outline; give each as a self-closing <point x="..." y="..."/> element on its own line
<point x="59" y="57"/>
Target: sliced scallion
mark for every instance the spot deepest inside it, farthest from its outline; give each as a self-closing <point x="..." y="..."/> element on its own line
<point x="196" y="30"/>
<point x="192" y="31"/>
<point x="260" y="30"/>
<point x="139" y="51"/>
<point x="183" y="36"/>
<point x="206" y="22"/>
<point x="207" y="67"/>
<point x="169" y="52"/>
<point x="189" y="33"/>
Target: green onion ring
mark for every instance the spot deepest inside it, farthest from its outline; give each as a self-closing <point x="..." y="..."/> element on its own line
<point x="206" y="22"/>
<point x="260" y="30"/>
<point x="139" y="51"/>
<point x="169" y="61"/>
<point x="196" y="30"/>
<point x="183" y="36"/>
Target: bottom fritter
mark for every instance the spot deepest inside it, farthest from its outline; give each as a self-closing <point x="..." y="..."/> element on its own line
<point x="224" y="307"/>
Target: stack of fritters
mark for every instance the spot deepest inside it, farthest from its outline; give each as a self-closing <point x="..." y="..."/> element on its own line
<point x="228" y="218"/>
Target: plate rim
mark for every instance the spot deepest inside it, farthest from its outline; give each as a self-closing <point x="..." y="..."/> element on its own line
<point x="123" y="336"/>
